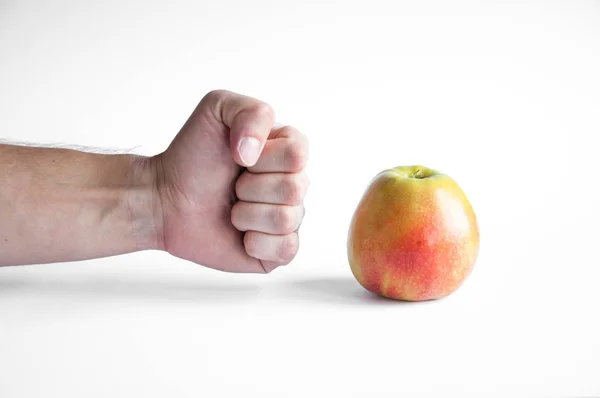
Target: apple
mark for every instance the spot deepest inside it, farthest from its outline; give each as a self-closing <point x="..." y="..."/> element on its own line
<point x="413" y="236"/>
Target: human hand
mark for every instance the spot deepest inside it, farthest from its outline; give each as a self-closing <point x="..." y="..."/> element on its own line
<point x="231" y="186"/>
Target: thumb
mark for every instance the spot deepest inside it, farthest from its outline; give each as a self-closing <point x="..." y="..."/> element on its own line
<point x="249" y="121"/>
<point x="249" y="129"/>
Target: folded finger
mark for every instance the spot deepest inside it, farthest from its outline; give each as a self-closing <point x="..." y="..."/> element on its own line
<point x="277" y="249"/>
<point x="274" y="188"/>
<point x="267" y="218"/>
<point x="286" y="151"/>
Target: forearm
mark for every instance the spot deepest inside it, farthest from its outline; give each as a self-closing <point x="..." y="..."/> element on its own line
<point x="63" y="205"/>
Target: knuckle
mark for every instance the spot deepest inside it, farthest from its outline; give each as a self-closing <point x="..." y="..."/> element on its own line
<point x="296" y="155"/>
<point x="262" y="109"/>
<point x="213" y="101"/>
<point x="286" y="219"/>
<point x="215" y="93"/>
<point x="215" y="96"/>
<point x="288" y="248"/>
<point x="290" y="131"/>
<point x="293" y="189"/>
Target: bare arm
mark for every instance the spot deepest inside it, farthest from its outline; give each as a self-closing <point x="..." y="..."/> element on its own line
<point x="64" y="205"/>
<point x="227" y="193"/>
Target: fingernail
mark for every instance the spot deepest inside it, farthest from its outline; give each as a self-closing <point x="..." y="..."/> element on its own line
<point x="249" y="150"/>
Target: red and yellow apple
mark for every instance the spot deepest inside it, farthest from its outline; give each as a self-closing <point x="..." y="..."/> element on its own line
<point x="413" y="236"/>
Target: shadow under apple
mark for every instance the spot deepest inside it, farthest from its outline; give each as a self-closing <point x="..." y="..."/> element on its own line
<point x="338" y="290"/>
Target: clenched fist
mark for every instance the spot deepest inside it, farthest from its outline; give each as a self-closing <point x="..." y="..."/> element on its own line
<point x="231" y="186"/>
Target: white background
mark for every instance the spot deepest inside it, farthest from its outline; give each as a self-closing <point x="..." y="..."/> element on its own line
<point x="502" y="96"/>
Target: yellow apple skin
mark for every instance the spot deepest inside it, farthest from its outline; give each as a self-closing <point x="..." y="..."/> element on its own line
<point x="413" y="236"/>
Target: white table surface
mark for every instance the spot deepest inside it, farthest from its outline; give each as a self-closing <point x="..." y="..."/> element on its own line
<point x="503" y="97"/>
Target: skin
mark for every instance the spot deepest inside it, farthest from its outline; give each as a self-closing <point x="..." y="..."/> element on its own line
<point x="206" y="198"/>
<point x="413" y="236"/>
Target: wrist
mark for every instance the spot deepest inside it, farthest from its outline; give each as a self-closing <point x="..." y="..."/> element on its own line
<point x="145" y="205"/>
